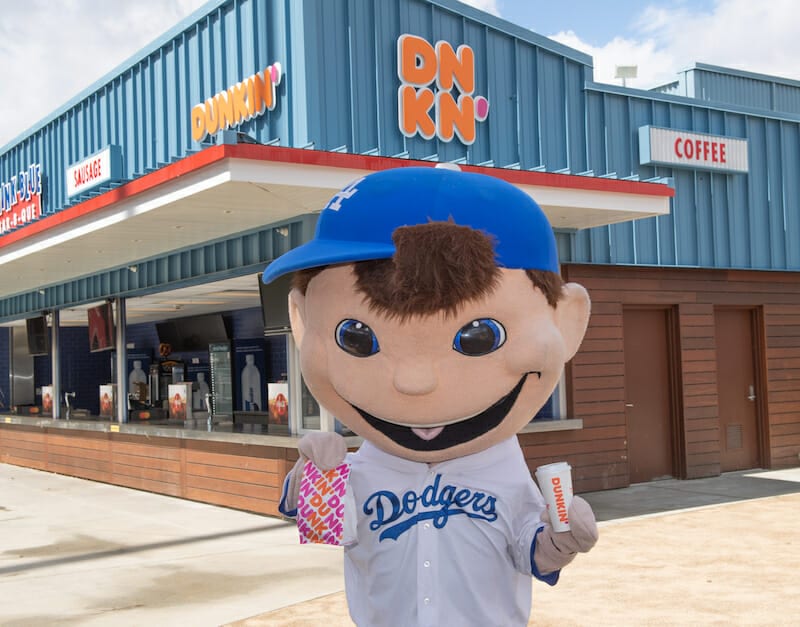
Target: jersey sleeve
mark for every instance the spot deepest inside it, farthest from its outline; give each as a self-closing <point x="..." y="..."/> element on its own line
<point x="526" y="526"/>
<point x="282" y="507"/>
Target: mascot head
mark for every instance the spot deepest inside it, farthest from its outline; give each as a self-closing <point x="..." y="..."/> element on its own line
<point x="429" y="311"/>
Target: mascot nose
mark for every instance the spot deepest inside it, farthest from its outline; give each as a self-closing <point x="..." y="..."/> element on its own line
<point x="415" y="378"/>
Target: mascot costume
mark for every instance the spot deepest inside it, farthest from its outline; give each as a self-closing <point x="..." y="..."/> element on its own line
<point x="432" y="321"/>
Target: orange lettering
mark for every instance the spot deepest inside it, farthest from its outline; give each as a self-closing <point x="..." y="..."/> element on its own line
<point x="456" y="67"/>
<point x="236" y="95"/>
<point x="323" y="486"/>
<point x="455" y="117"/>
<point x="416" y="60"/>
<point x="262" y="92"/>
<point x="415" y="106"/>
<point x="212" y="117"/>
<point x="224" y="110"/>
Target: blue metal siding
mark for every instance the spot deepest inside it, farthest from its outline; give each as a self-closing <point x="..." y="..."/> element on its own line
<point x="527" y="100"/>
<point x="758" y="215"/>
<point x="363" y="69"/>
<point x="552" y="103"/>
<point x="790" y="181"/>
<point x="339" y="92"/>
<point x="746" y="89"/>
<point x="787" y="98"/>
<point x="502" y="123"/>
<point x="717" y="220"/>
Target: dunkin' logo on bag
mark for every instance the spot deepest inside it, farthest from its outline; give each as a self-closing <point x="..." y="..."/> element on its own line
<point x="320" y="504"/>
<point x="437" y="83"/>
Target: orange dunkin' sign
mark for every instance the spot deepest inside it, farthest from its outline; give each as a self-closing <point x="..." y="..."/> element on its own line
<point x="439" y="112"/>
<point x="240" y="102"/>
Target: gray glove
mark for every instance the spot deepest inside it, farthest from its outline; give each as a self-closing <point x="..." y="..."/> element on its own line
<point x="325" y="449"/>
<point x="554" y="550"/>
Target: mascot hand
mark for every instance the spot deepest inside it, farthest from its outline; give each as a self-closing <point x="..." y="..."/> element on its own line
<point x="554" y="550"/>
<point x="325" y="449"/>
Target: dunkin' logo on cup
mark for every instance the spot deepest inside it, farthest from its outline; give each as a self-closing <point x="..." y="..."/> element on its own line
<point x="320" y="504"/>
<point x="555" y="482"/>
<point x="561" y="503"/>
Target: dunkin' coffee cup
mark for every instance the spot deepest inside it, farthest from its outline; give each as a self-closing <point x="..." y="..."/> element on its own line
<point x="555" y="482"/>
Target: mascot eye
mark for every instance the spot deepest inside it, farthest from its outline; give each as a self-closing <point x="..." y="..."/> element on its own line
<point x="479" y="337"/>
<point x="356" y="338"/>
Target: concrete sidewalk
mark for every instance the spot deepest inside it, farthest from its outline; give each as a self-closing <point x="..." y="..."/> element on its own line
<point x="75" y="552"/>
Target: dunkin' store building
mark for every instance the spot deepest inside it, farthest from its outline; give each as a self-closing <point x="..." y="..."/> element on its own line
<point x="138" y="346"/>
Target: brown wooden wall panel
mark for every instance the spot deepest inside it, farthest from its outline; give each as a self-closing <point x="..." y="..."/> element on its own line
<point x="148" y="485"/>
<point x="159" y="463"/>
<point x="783" y="383"/>
<point x="695" y="293"/>
<point x="225" y="459"/>
<point x="599" y="382"/>
<point x="229" y="474"/>
<point x="250" y="490"/>
<point x="232" y="474"/>
<point x="145" y="472"/>
<point x="168" y="448"/>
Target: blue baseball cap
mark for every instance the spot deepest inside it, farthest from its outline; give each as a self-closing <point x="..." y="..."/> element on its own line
<point x="358" y="222"/>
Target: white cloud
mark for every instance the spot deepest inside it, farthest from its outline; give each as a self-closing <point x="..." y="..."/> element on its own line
<point x="490" y="6"/>
<point x="741" y="34"/>
<point x="49" y="55"/>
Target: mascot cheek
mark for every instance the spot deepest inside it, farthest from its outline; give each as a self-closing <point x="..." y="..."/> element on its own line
<point x="538" y="348"/>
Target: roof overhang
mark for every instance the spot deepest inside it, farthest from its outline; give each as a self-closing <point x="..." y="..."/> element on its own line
<point x="229" y="189"/>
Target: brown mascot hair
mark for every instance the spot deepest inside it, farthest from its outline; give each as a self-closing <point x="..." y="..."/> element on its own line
<point x="436" y="267"/>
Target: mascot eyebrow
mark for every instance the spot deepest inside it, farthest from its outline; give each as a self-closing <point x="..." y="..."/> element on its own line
<point x="436" y="267"/>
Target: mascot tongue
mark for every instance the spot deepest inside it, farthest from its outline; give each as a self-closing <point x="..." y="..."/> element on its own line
<point x="427" y="434"/>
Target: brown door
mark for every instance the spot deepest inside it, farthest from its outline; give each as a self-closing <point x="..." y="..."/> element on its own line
<point x="648" y="406"/>
<point x="738" y="416"/>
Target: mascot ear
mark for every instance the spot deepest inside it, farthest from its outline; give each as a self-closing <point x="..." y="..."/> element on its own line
<point x="572" y="317"/>
<point x="297" y="315"/>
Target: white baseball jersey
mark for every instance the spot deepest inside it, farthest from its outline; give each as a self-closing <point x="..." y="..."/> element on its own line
<point x="448" y="544"/>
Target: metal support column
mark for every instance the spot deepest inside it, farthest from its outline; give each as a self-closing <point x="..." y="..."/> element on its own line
<point x="55" y="350"/>
<point x="122" y="361"/>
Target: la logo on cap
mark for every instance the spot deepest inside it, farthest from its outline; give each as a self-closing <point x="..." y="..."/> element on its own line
<point x="348" y="192"/>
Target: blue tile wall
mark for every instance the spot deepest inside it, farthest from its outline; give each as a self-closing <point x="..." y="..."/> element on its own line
<point x="82" y="371"/>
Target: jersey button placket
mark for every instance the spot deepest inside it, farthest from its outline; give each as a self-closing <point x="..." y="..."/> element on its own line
<point x="427" y="549"/>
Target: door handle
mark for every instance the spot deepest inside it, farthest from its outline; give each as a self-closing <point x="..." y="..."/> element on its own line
<point x="628" y="404"/>
<point x="752" y="395"/>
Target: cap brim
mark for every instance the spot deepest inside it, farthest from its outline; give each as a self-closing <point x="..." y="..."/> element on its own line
<point x="321" y="252"/>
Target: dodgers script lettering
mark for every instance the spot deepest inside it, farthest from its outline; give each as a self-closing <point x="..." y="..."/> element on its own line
<point x="438" y="503"/>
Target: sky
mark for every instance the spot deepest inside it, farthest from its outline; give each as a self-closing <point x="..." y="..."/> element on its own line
<point x="51" y="51"/>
